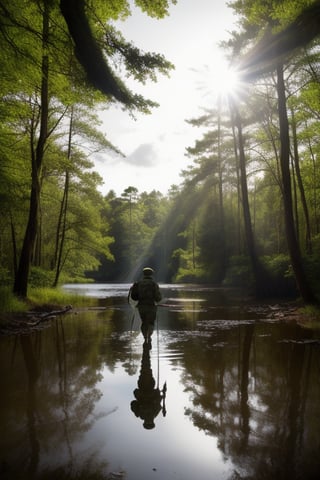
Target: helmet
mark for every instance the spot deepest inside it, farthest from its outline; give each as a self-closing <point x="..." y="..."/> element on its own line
<point x="148" y="271"/>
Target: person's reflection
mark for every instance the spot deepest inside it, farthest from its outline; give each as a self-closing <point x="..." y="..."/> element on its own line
<point x="149" y="399"/>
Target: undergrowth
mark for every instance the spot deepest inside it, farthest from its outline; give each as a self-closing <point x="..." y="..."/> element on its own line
<point x="37" y="297"/>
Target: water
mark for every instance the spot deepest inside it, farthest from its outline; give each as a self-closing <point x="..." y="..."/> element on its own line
<point x="241" y="400"/>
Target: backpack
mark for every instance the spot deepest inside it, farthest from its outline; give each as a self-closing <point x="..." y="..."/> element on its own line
<point x="145" y="291"/>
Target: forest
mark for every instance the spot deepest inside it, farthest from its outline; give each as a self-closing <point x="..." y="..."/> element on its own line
<point x="247" y="211"/>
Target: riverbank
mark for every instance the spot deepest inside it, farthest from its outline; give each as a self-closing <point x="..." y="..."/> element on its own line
<point x="41" y="315"/>
<point x="22" y="316"/>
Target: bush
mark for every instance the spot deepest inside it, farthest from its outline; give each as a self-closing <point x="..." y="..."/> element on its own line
<point x="40" y="277"/>
<point x="238" y="273"/>
<point x="9" y="303"/>
<point x="5" y="277"/>
<point x="281" y="275"/>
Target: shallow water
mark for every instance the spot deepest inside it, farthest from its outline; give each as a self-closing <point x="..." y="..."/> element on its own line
<point x="80" y="400"/>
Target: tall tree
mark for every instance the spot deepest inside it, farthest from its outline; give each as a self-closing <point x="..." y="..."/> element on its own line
<point x="19" y="29"/>
<point x="293" y="245"/>
<point x="37" y="154"/>
<point x="261" y="279"/>
<point x="254" y="20"/>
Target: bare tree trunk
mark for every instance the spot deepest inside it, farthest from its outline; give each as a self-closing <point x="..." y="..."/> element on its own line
<point x="238" y="182"/>
<point x="14" y="246"/>
<point x="293" y="246"/>
<point x="262" y="284"/>
<point x="22" y="275"/>
<point x="61" y="227"/>
<point x="222" y="263"/>
<point x="295" y="201"/>
<point x="63" y="230"/>
<point x="296" y="159"/>
<point x="316" y="223"/>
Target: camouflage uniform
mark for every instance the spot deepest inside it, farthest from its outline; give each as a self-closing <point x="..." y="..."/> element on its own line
<point x="147" y="293"/>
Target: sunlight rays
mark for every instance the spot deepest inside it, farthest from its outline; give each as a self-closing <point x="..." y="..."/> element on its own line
<point x="219" y="81"/>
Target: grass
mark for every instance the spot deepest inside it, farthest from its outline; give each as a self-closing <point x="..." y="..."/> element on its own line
<point x="311" y="316"/>
<point x="41" y="297"/>
<point x="9" y="303"/>
<point x="56" y="296"/>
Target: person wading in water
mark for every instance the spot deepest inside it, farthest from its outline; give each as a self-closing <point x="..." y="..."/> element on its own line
<point x="147" y="293"/>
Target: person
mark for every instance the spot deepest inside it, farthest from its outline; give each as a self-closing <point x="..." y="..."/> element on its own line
<point x="147" y="293"/>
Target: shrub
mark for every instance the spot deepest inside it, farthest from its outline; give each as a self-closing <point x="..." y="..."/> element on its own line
<point x="238" y="273"/>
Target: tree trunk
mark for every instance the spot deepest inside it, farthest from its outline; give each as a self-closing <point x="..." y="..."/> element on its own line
<point x="222" y="263"/>
<point x="262" y="285"/>
<point x="293" y="246"/>
<point x="316" y="223"/>
<point x="295" y="201"/>
<point x="63" y="230"/>
<point x="236" y="155"/>
<point x="296" y="159"/>
<point x="21" y="278"/>
<point x="14" y="246"/>
<point x="61" y="227"/>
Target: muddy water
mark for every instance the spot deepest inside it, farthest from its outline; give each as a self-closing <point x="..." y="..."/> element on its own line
<point x="224" y="393"/>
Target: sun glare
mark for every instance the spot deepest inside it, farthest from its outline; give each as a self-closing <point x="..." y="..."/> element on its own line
<point x="219" y="80"/>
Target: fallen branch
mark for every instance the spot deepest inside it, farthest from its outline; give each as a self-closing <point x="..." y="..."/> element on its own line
<point x="20" y="324"/>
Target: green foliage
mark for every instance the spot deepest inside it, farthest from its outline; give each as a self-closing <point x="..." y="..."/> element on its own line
<point x="196" y="233"/>
<point x="311" y="316"/>
<point x="157" y="9"/>
<point x="49" y="127"/>
<point x="238" y="273"/>
<point x="5" y="277"/>
<point x="57" y="297"/>
<point x="312" y="266"/>
<point x="40" y="277"/>
<point x="135" y="219"/>
<point x="281" y="274"/>
<point x="10" y="303"/>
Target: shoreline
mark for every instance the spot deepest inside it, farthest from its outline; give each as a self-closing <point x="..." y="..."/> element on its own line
<point x="41" y="316"/>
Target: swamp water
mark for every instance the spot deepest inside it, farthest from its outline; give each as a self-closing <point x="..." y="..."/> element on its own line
<point x="224" y="393"/>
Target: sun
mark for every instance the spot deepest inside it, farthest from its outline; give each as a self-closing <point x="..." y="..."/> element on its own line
<point x="218" y="80"/>
<point x="224" y="79"/>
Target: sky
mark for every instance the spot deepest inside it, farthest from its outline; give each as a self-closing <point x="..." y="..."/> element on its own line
<point x="154" y="145"/>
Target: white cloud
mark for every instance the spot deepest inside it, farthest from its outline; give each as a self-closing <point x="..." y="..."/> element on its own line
<point x="143" y="156"/>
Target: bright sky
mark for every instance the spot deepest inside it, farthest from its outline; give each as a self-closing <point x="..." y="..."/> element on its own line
<point x="155" y="144"/>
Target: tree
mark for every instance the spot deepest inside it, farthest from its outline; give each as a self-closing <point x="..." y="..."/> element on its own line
<point x="52" y="70"/>
<point x="262" y="281"/>
<point x="37" y="154"/>
<point x="268" y="56"/>
<point x="90" y="52"/>
<point x="293" y="245"/>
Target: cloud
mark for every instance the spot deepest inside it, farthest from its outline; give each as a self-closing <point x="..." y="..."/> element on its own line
<point x="143" y="156"/>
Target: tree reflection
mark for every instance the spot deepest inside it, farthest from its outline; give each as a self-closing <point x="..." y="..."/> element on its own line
<point x="33" y="373"/>
<point x="58" y="376"/>
<point x="253" y="396"/>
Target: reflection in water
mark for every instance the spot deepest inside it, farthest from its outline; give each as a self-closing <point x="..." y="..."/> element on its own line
<point x="243" y="403"/>
<point x="33" y="373"/>
<point x="149" y="400"/>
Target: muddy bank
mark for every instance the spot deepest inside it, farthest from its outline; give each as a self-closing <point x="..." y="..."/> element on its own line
<point x="33" y="320"/>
